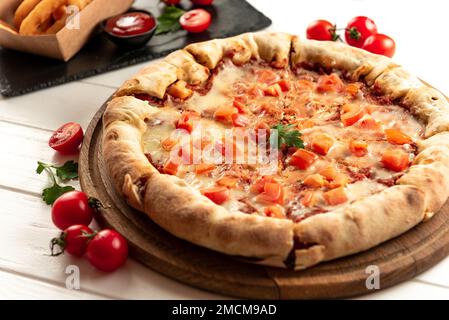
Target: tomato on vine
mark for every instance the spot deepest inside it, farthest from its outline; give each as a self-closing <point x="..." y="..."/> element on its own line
<point x="358" y="29"/>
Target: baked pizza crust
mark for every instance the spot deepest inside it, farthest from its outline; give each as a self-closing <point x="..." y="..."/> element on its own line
<point x="187" y="214"/>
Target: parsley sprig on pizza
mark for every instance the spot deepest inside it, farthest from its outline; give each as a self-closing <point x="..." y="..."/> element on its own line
<point x="363" y="148"/>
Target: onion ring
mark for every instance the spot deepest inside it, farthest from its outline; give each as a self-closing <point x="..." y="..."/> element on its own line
<point x="61" y="16"/>
<point x="23" y="11"/>
<point x="39" y="15"/>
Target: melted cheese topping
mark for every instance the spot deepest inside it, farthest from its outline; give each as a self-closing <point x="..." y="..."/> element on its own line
<point x="302" y="103"/>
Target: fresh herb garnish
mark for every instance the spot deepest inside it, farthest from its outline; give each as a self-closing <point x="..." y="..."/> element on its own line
<point x="168" y="21"/>
<point x="68" y="171"/>
<point x="286" y="135"/>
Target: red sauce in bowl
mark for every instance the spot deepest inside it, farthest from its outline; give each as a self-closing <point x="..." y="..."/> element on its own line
<point x="130" y="24"/>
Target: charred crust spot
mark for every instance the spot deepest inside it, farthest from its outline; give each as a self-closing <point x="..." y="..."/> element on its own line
<point x="411" y="198"/>
<point x="113" y="135"/>
<point x="141" y="184"/>
<point x="150" y="99"/>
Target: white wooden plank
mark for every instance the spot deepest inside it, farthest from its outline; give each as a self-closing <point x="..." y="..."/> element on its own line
<point x="18" y="287"/>
<point x="437" y="274"/>
<point x="50" y="108"/>
<point x="22" y="148"/>
<point x="410" y="290"/>
<point x="26" y="230"/>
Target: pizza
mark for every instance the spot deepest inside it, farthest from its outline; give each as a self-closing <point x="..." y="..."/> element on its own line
<point x="279" y="150"/>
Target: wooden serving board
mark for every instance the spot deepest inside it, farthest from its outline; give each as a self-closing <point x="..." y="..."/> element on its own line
<point x="398" y="260"/>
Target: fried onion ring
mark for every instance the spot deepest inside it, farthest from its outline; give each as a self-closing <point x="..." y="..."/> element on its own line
<point x="39" y="15"/>
<point x="23" y="11"/>
<point x="61" y="16"/>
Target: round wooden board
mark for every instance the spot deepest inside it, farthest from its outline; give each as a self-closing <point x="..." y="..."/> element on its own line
<point x="398" y="260"/>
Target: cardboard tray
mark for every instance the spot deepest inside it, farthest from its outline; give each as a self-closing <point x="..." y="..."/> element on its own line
<point x="21" y="72"/>
<point x="66" y="43"/>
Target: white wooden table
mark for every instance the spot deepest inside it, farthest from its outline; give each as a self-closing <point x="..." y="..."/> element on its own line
<point x="26" y="122"/>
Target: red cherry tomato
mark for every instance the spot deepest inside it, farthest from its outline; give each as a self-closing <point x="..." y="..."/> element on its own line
<point x="380" y="44"/>
<point x="107" y="251"/>
<point x="73" y="240"/>
<point x="67" y="138"/>
<point x="71" y="208"/>
<point x="321" y="30"/>
<point x="358" y="29"/>
<point x="195" y="21"/>
<point x="171" y="2"/>
<point x="202" y="2"/>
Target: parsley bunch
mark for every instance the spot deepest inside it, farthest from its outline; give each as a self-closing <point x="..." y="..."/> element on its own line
<point x="68" y="171"/>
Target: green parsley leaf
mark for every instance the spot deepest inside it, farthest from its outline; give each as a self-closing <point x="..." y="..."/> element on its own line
<point x="287" y="136"/>
<point x="49" y="195"/>
<point x="68" y="171"/>
<point x="168" y="21"/>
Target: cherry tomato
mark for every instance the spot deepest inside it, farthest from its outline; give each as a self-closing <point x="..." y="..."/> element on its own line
<point x="107" y="251"/>
<point x="67" y="138"/>
<point x="71" y="208"/>
<point x="380" y="44"/>
<point x="202" y="2"/>
<point x="171" y="2"/>
<point x="195" y="21"/>
<point x="321" y="30"/>
<point x="358" y="29"/>
<point x="73" y="240"/>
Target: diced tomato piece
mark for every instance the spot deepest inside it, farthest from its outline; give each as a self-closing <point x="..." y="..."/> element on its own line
<point x="186" y="121"/>
<point x="179" y="90"/>
<point x="307" y="124"/>
<point x="258" y="186"/>
<point x="302" y="159"/>
<point x="395" y="136"/>
<point x="274" y="90"/>
<point x="170" y="167"/>
<point x="224" y="113"/>
<point x="330" y="83"/>
<point x="220" y="147"/>
<point x="340" y="180"/>
<point x="395" y="159"/>
<point x="329" y="172"/>
<point x="217" y="194"/>
<point x="204" y="168"/>
<point x="205" y="141"/>
<point x="285" y="85"/>
<point x="353" y="89"/>
<point x="322" y="143"/>
<point x="273" y="192"/>
<point x="369" y="123"/>
<point x="255" y="92"/>
<point x="229" y="182"/>
<point x="274" y="212"/>
<point x="305" y="85"/>
<point x="358" y="148"/>
<point x="315" y="181"/>
<point x="186" y="153"/>
<point x="336" y="196"/>
<point x="309" y="199"/>
<point x="168" y="144"/>
<point x="351" y="114"/>
<point x="239" y="105"/>
<point x="239" y="120"/>
<point x="266" y="76"/>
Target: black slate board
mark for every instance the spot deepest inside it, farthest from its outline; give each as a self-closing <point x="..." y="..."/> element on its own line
<point x="21" y="73"/>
